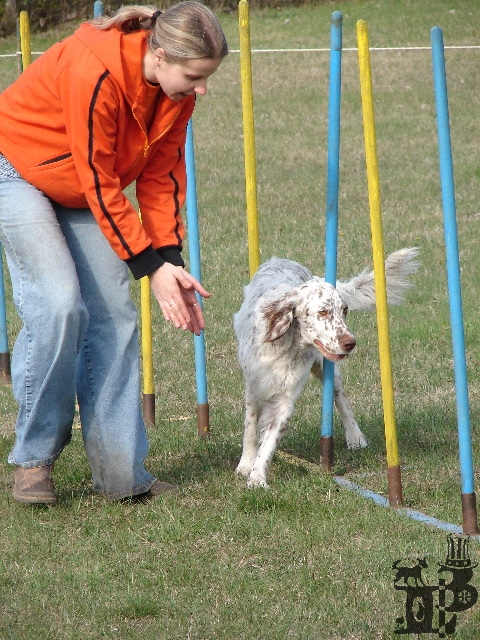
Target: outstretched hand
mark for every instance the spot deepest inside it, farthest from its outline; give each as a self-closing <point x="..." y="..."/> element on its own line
<point x="174" y="288"/>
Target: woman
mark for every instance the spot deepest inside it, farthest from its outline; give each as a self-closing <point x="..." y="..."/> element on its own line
<point x="99" y="110"/>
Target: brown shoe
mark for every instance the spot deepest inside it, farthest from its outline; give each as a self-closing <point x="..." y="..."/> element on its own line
<point x="34" y="485"/>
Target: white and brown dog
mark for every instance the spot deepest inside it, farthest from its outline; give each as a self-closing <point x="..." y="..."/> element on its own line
<point x="289" y="321"/>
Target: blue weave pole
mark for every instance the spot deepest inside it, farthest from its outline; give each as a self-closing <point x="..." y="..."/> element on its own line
<point x="5" y="376"/>
<point x="195" y="269"/>
<point x="331" y="242"/>
<point x="470" y="524"/>
<point x="98" y="9"/>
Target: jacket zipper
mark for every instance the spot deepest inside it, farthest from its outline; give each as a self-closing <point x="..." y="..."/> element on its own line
<point x="147" y="146"/>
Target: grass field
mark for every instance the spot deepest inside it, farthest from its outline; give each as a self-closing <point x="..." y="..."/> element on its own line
<point x="306" y="559"/>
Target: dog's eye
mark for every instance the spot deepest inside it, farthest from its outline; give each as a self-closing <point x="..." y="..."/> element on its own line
<point x="322" y="313"/>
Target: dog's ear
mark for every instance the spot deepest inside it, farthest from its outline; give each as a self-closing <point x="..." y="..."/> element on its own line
<point x="279" y="316"/>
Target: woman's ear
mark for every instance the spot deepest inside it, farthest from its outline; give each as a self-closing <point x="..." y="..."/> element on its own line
<point x="159" y="56"/>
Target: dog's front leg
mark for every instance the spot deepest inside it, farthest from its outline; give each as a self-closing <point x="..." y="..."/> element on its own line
<point x="273" y="430"/>
<point x="250" y="438"/>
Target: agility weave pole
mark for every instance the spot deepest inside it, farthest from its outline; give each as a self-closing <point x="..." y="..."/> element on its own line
<point x="97" y="9"/>
<point x="331" y="231"/>
<point x="5" y="371"/>
<point x="148" y="390"/>
<point x="469" y="509"/>
<point x="203" y="412"/>
<point x="145" y="293"/>
<point x="249" y="137"/>
<point x="24" y="28"/>
<point x="148" y="396"/>
<point x="145" y="290"/>
<point x="393" y="464"/>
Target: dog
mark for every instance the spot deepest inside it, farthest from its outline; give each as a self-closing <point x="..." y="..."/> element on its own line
<point x="288" y="322"/>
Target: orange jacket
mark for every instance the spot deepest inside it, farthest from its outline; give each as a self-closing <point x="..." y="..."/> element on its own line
<point x="73" y="126"/>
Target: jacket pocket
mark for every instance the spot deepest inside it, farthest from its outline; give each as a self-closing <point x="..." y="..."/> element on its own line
<point x="56" y="161"/>
<point x="57" y="177"/>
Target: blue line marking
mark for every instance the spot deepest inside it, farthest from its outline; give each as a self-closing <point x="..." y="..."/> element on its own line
<point x="410" y="513"/>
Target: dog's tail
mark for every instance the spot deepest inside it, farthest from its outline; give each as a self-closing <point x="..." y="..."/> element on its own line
<point x="359" y="292"/>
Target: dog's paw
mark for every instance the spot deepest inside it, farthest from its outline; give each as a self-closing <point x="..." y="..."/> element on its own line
<point x="244" y="468"/>
<point x="257" y="479"/>
<point x="357" y="441"/>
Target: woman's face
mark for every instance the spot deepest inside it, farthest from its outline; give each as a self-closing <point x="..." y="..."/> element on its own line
<point x="179" y="80"/>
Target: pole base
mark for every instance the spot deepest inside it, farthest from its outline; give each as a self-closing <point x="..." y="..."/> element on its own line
<point x="394" y="480"/>
<point x="203" y="423"/>
<point x="469" y="513"/>
<point x="326" y="453"/>
<point x="149" y="408"/>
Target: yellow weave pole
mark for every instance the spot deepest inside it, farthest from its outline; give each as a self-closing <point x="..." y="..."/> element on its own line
<point x="23" y="42"/>
<point x="145" y="291"/>
<point x="147" y="350"/>
<point x="24" y="27"/>
<point x="249" y="137"/>
<point x="393" y="464"/>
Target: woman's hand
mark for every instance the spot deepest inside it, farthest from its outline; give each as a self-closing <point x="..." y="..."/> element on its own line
<point x="174" y="290"/>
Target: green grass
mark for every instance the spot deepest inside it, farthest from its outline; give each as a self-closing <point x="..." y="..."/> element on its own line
<point x="306" y="559"/>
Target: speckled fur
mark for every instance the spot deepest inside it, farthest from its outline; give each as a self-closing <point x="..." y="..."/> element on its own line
<point x="288" y="322"/>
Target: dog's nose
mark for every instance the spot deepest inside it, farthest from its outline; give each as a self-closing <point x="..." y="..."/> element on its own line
<point x="348" y="343"/>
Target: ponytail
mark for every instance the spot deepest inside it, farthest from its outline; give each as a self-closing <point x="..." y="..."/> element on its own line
<point x="185" y="30"/>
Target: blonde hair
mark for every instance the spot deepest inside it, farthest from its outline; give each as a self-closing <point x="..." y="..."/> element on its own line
<point x="185" y="30"/>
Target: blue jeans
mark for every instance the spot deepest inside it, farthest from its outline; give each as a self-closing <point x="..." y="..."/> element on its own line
<point x="79" y="340"/>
